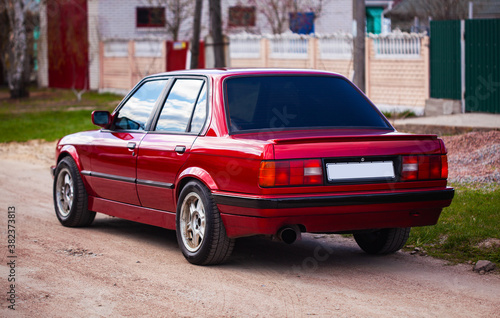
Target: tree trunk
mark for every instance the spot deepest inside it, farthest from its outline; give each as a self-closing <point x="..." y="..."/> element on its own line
<point x="359" y="15"/>
<point x="216" y="21"/>
<point x="195" y="42"/>
<point x="17" y="50"/>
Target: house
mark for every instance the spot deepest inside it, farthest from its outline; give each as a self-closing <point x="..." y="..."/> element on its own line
<point x="73" y="32"/>
<point x="415" y="15"/>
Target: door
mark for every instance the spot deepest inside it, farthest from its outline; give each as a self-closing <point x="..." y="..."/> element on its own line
<point x="165" y="149"/>
<point x="114" y="155"/>
<point x="177" y="55"/>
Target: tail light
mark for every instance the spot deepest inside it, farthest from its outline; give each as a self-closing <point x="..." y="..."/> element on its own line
<point x="290" y="173"/>
<point x="424" y="167"/>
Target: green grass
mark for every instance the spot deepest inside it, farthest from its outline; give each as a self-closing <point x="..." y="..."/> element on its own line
<point x="56" y="99"/>
<point x="49" y="114"/>
<point x="472" y="218"/>
<point x="47" y="125"/>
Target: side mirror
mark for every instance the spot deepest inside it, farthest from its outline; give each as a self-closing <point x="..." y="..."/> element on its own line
<point x="101" y="118"/>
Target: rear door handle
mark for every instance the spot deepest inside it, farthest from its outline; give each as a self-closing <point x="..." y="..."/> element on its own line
<point x="180" y="149"/>
<point x="131" y="145"/>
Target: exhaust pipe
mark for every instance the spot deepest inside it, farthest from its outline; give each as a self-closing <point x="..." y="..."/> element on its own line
<point x="289" y="234"/>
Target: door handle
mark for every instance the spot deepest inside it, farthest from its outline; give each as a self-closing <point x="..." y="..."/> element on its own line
<point x="180" y="149"/>
<point x="131" y="145"/>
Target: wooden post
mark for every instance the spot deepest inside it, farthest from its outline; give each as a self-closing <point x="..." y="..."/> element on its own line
<point x="359" y="16"/>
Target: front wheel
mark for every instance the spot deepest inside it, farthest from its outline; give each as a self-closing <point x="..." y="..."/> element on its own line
<point x="383" y="241"/>
<point x="201" y="235"/>
<point x="70" y="196"/>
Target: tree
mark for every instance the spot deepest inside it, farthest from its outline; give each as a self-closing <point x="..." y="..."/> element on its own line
<point x="195" y="41"/>
<point x="277" y="12"/>
<point x="216" y="26"/>
<point x="14" y="55"/>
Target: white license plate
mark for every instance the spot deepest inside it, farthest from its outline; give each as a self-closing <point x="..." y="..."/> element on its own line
<point x="341" y="171"/>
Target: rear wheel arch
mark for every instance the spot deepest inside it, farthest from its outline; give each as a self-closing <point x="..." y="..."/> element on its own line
<point x="194" y="174"/>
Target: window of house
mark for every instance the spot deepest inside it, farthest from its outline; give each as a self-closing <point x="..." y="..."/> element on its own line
<point x="240" y="16"/>
<point x="302" y="22"/>
<point x="148" y="17"/>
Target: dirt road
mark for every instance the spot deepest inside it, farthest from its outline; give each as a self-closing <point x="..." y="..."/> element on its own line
<point x="120" y="268"/>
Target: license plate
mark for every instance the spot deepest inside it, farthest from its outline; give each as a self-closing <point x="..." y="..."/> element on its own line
<point x="342" y="171"/>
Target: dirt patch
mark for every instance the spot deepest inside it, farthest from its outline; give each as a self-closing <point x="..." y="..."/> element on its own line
<point x="491" y="243"/>
<point x="474" y="157"/>
<point x="33" y="151"/>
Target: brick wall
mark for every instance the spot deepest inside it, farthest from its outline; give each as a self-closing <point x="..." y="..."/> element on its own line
<point x="398" y="81"/>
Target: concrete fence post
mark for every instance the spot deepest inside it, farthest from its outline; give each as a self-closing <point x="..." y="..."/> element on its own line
<point x="368" y="59"/>
<point x="131" y="61"/>
<point x="424" y="49"/>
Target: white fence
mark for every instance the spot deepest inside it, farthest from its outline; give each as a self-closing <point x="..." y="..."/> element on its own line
<point x="335" y="46"/>
<point x="397" y="45"/>
<point x="142" y="48"/>
<point x="245" y="46"/>
<point x="148" y="48"/>
<point x="289" y="46"/>
<point x="116" y="49"/>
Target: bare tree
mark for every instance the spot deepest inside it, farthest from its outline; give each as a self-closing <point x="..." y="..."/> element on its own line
<point x="277" y="12"/>
<point x="195" y="41"/>
<point x="177" y="12"/>
<point x="216" y="30"/>
<point x="14" y="55"/>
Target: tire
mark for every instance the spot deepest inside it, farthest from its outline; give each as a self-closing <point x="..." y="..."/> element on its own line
<point x="385" y="241"/>
<point x="201" y="235"/>
<point x="70" y="196"/>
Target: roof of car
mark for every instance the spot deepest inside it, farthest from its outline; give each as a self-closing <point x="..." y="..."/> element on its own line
<point x="245" y="71"/>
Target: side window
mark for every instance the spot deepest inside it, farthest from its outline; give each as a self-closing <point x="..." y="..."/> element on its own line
<point x="178" y="108"/>
<point x="135" y="113"/>
<point x="200" y="112"/>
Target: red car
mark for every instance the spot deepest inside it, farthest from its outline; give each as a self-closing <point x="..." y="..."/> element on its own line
<point x="222" y="154"/>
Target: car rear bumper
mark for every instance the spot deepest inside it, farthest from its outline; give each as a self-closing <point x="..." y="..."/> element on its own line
<point x="251" y="215"/>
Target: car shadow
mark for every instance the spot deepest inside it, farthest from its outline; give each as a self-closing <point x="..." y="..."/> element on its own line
<point x="311" y="253"/>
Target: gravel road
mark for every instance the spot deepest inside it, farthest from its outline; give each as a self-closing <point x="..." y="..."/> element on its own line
<point x="120" y="268"/>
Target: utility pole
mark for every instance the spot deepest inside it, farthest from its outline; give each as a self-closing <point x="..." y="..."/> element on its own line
<point x="216" y="23"/>
<point x="195" y="41"/>
<point x="359" y="21"/>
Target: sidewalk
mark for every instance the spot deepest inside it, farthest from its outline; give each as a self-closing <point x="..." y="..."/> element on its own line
<point x="449" y="124"/>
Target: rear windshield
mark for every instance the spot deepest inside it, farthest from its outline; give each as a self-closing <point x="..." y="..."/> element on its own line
<point x="288" y="102"/>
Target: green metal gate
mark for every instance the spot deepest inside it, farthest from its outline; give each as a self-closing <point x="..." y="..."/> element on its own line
<point x="482" y="66"/>
<point x="445" y="60"/>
